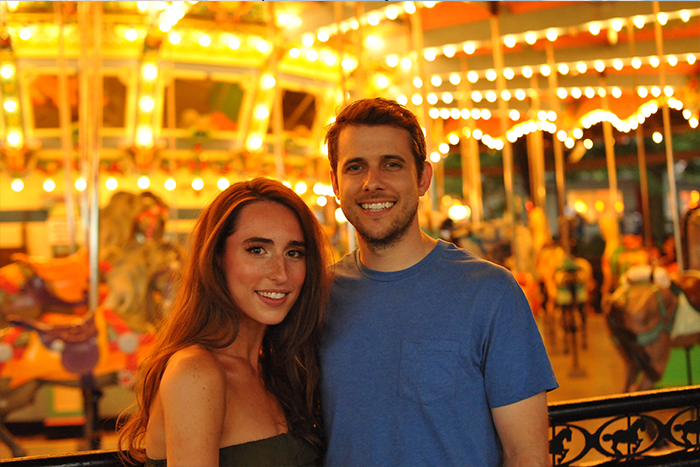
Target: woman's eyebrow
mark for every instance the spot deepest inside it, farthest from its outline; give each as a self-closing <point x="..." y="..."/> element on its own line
<point x="258" y="240"/>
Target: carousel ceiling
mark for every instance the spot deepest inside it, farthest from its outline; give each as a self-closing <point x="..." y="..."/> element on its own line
<point x="197" y="85"/>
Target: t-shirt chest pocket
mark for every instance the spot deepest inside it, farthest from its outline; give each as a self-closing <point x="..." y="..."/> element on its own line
<point x="428" y="370"/>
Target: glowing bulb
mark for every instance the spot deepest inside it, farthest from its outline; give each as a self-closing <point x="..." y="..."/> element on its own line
<point x="80" y="184"/>
<point x="197" y="184"/>
<point x="111" y="184"/>
<point x="436" y="81"/>
<point x="514" y="115"/>
<point x="545" y="70"/>
<point x="639" y="21"/>
<point x="455" y="79"/>
<point x="581" y="67"/>
<point x="505" y="95"/>
<point x="417" y="82"/>
<point x="509" y="41"/>
<point x="146" y="104"/>
<point x="520" y="94"/>
<point x="262" y="112"/>
<point x="594" y="28"/>
<point x="563" y="69"/>
<point x="527" y="72"/>
<point x="617" y="64"/>
<point x="268" y="81"/>
<point x="373" y="20"/>
<point x="416" y="99"/>
<point x="473" y="76"/>
<point x="382" y="82"/>
<point x="7" y="71"/>
<point x="657" y="137"/>
<point x="409" y="7"/>
<point x="149" y="71"/>
<point x="406" y="63"/>
<point x="25" y="34"/>
<point x="234" y="43"/>
<point x="588" y="143"/>
<point x="589" y="92"/>
<point x="10" y="105"/>
<point x="636" y="63"/>
<point x="655" y="91"/>
<point x="662" y="18"/>
<point x="170" y="184"/>
<point x="672" y="60"/>
<point x="616" y="93"/>
<point x="49" y="185"/>
<point x="602" y="92"/>
<point x="444" y="148"/>
<point x="429" y="54"/>
<point x="599" y="66"/>
<point x="469" y="48"/>
<point x="491" y="96"/>
<point x="508" y="73"/>
<point x="576" y="93"/>
<point x="654" y="61"/>
<point x="401" y="99"/>
<point x="642" y="92"/>
<point x="491" y="75"/>
<point x="562" y="93"/>
<point x="685" y="15"/>
<point x="307" y="40"/>
<point x="453" y="139"/>
<point x="690" y="58"/>
<point x="254" y="143"/>
<point x="372" y="41"/>
<point x="143" y="182"/>
<point x="477" y="96"/>
<point x="447" y="98"/>
<point x="616" y="25"/>
<point x="530" y="37"/>
<point x="131" y="35"/>
<point x="14" y="138"/>
<point x="17" y="185"/>
<point x="552" y="34"/>
<point x="449" y="51"/>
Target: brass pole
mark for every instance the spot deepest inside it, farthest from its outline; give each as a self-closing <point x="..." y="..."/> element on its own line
<point x="673" y="202"/>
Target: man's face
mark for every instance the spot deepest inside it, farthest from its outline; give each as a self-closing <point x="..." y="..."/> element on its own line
<point x="377" y="182"/>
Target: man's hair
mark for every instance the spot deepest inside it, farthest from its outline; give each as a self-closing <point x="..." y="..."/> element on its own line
<point x="374" y="112"/>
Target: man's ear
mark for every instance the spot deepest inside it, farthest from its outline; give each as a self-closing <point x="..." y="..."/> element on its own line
<point x="334" y="182"/>
<point x="426" y="178"/>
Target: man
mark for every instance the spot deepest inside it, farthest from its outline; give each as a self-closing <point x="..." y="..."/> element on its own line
<point x="431" y="356"/>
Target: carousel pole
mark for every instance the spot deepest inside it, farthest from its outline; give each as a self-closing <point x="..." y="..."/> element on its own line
<point x="469" y="151"/>
<point x="438" y="185"/>
<point x="497" y="48"/>
<point x="338" y="11"/>
<point x="277" y="117"/>
<point x="609" y="148"/>
<point x="66" y="136"/>
<point x="94" y="180"/>
<point x="641" y="151"/>
<point x="360" y="75"/>
<point x="673" y="202"/>
<point x="558" y="154"/>
<point x="536" y="152"/>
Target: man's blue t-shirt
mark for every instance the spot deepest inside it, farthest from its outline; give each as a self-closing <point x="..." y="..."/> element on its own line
<point x="413" y="361"/>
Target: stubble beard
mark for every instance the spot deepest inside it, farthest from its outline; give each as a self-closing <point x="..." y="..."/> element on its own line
<point x="397" y="230"/>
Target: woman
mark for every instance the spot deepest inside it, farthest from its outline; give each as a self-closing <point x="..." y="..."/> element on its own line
<point x="233" y="379"/>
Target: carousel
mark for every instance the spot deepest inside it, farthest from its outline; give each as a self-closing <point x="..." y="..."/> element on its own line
<point x="564" y="137"/>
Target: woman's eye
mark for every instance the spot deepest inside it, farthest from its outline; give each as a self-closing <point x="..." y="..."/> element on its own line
<point x="297" y="253"/>
<point x="256" y="250"/>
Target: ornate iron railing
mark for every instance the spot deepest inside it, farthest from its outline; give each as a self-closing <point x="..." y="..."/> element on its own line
<point x="649" y="429"/>
<point x="660" y="428"/>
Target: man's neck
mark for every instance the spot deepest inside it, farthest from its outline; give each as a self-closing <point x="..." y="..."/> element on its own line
<point x="410" y="250"/>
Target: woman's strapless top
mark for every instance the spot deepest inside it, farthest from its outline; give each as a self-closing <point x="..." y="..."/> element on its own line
<point x="281" y="450"/>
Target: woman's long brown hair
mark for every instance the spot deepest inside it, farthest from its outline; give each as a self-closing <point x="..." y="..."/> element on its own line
<point x="204" y="313"/>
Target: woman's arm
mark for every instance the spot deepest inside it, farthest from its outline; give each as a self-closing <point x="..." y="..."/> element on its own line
<point x="192" y="392"/>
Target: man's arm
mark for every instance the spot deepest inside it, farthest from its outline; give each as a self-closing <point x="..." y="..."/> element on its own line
<point x="522" y="429"/>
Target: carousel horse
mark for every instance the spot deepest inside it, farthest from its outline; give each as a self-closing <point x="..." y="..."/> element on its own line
<point x="568" y="283"/>
<point x="51" y="339"/>
<point x="691" y="238"/>
<point x="647" y="316"/>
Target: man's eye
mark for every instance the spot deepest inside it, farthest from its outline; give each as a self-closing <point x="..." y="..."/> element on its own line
<point x="353" y="168"/>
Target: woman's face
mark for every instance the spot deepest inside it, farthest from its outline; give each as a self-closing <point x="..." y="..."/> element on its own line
<point x="265" y="261"/>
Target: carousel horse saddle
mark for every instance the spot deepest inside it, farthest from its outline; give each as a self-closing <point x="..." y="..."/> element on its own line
<point x="76" y="342"/>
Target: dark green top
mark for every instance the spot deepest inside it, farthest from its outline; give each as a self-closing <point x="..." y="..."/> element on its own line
<point x="281" y="450"/>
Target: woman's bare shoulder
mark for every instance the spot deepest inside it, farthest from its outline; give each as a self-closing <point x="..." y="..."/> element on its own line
<point x="193" y="368"/>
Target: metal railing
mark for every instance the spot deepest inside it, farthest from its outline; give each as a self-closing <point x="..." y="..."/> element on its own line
<point x="652" y="428"/>
<point x="646" y="429"/>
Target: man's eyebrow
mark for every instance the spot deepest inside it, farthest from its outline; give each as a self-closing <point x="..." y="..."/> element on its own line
<point x="300" y="244"/>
